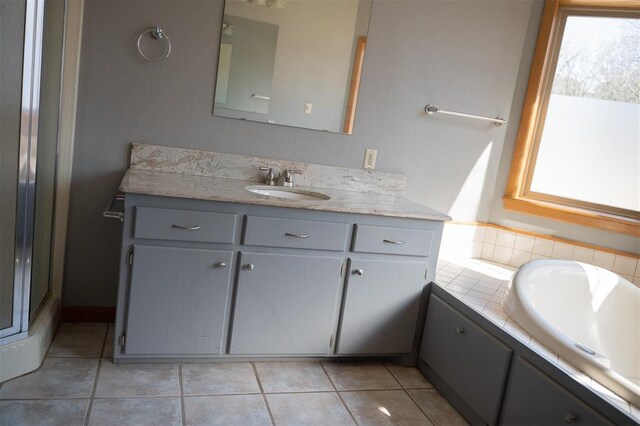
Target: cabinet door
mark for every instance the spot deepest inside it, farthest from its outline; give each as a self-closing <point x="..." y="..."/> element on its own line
<point x="285" y="304"/>
<point x="532" y="398"/>
<point x="381" y="306"/>
<point x="471" y="361"/>
<point x="177" y="301"/>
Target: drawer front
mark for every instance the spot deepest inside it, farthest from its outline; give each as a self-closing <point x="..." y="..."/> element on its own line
<point x="184" y="225"/>
<point x="529" y="390"/>
<point x="467" y="358"/>
<point x="386" y="240"/>
<point x="303" y="234"/>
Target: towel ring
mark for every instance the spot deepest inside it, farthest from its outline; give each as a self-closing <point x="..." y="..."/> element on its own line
<point x="158" y="34"/>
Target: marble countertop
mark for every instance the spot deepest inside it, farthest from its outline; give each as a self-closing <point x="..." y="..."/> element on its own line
<point x="149" y="182"/>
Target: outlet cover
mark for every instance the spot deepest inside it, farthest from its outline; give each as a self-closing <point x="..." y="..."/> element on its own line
<point x="308" y="107"/>
<point x="370" y="156"/>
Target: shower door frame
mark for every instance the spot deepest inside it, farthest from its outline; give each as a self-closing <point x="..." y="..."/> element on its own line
<point x="25" y="200"/>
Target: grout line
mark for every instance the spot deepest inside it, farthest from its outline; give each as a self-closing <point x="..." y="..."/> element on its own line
<point x="264" y="397"/>
<point x="104" y="341"/>
<point x="392" y="375"/>
<point x="180" y="384"/>
<point x="338" y="393"/>
<point x="420" y="408"/>
<point x="93" y="392"/>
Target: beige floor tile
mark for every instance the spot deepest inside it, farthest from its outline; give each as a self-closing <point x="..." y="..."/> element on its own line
<point x="219" y="378"/>
<point x="63" y="412"/>
<point x="56" y="378"/>
<point x="308" y="409"/>
<point x="439" y="411"/>
<point x="136" y="412"/>
<point x="78" y="340"/>
<point x="137" y="380"/>
<point x="293" y="377"/>
<point x="360" y="376"/>
<point x="392" y="407"/>
<point x="246" y="410"/>
<point x="108" y="344"/>
<point x="409" y="377"/>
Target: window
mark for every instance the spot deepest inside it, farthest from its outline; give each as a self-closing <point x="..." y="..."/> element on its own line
<point x="577" y="157"/>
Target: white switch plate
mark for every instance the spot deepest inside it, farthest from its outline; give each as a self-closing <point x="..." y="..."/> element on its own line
<point x="370" y="156"/>
<point x="307" y="107"/>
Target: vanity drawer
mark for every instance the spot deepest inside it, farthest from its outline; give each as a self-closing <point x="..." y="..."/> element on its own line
<point x="184" y="225"/>
<point x="382" y="239"/>
<point x="304" y="234"/>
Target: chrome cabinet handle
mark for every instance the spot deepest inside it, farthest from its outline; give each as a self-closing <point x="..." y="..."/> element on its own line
<point x="358" y="272"/>
<point x="248" y="267"/>
<point x="188" y="228"/>
<point x="569" y="418"/>
<point x="459" y="330"/>
<point x="220" y="265"/>
<point x="392" y="242"/>
<point x="289" y="234"/>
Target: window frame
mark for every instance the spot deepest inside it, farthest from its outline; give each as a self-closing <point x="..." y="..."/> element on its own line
<point x="518" y="197"/>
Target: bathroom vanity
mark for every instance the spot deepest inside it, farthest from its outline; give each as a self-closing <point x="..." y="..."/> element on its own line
<point x="211" y="268"/>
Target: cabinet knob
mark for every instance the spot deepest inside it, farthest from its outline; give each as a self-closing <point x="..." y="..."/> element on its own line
<point x="459" y="330"/>
<point x="220" y="265"/>
<point x="358" y="272"/>
<point x="569" y="418"/>
<point x="248" y="267"/>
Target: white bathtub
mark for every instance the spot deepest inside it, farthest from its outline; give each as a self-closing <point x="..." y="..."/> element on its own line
<point x="587" y="315"/>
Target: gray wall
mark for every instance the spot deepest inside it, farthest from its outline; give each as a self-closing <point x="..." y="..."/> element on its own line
<point x="468" y="55"/>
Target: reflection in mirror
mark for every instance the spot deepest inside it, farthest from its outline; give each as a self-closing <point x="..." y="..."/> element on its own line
<point x="292" y="62"/>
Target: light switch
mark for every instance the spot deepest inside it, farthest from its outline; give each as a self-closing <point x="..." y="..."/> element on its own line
<point x="307" y="107"/>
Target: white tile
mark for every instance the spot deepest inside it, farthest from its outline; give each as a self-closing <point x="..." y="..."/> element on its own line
<point x="637" y="273"/>
<point x="603" y="259"/>
<point x="625" y="264"/>
<point x="535" y="256"/>
<point x="487" y="251"/>
<point x="478" y="233"/>
<point x="475" y="250"/>
<point x="574" y="373"/>
<point x="471" y="274"/>
<point x="636" y="281"/>
<point x="517" y="332"/>
<point x="524" y="242"/>
<point x="611" y="396"/>
<point x="626" y="277"/>
<point x="479" y="295"/>
<point x="562" y="250"/>
<point x="583" y="254"/>
<point x="490" y="235"/>
<point x="519" y="258"/>
<point x="544" y="351"/>
<point x="505" y="238"/>
<point x="502" y="254"/>
<point x="543" y="247"/>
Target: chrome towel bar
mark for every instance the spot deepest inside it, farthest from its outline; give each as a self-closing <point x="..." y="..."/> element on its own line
<point x="431" y="109"/>
<point x="115" y="214"/>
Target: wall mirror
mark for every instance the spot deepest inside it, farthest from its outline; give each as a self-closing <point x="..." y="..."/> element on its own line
<point x="292" y="62"/>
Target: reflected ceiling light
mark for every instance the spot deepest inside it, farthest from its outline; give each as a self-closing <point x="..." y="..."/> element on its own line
<point x="384" y="411"/>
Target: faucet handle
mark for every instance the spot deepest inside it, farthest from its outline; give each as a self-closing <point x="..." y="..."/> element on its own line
<point x="270" y="179"/>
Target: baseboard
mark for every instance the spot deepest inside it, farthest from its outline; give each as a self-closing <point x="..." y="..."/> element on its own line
<point x="88" y="314"/>
<point x="25" y="355"/>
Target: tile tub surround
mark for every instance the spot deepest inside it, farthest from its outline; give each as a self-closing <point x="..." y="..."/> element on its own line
<point x="240" y="167"/>
<point x="482" y="285"/>
<point x="78" y="384"/>
<point x="513" y="248"/>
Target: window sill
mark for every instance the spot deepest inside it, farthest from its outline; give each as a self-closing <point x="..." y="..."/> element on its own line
<point x="574" y="215"/>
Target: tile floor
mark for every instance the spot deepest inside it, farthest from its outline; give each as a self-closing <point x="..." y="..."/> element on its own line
<point x="78" y="384"/>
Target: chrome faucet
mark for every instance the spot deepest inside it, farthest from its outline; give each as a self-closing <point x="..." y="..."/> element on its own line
<point x="286" y="177"/>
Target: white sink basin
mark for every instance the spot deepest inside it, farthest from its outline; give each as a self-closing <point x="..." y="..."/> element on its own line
<point x="287" y="193"/>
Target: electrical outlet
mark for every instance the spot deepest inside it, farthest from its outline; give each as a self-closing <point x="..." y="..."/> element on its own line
<point x="308" y="107"/>
<point x="370" y="159"/>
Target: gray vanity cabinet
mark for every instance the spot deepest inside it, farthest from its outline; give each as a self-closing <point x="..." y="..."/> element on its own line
<point x="285" y="304"/>
<point x="470" y="360"/>
<point x="381" y="306"/>
<point x="533" y="398"/>
<point x="177" y="300"/>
